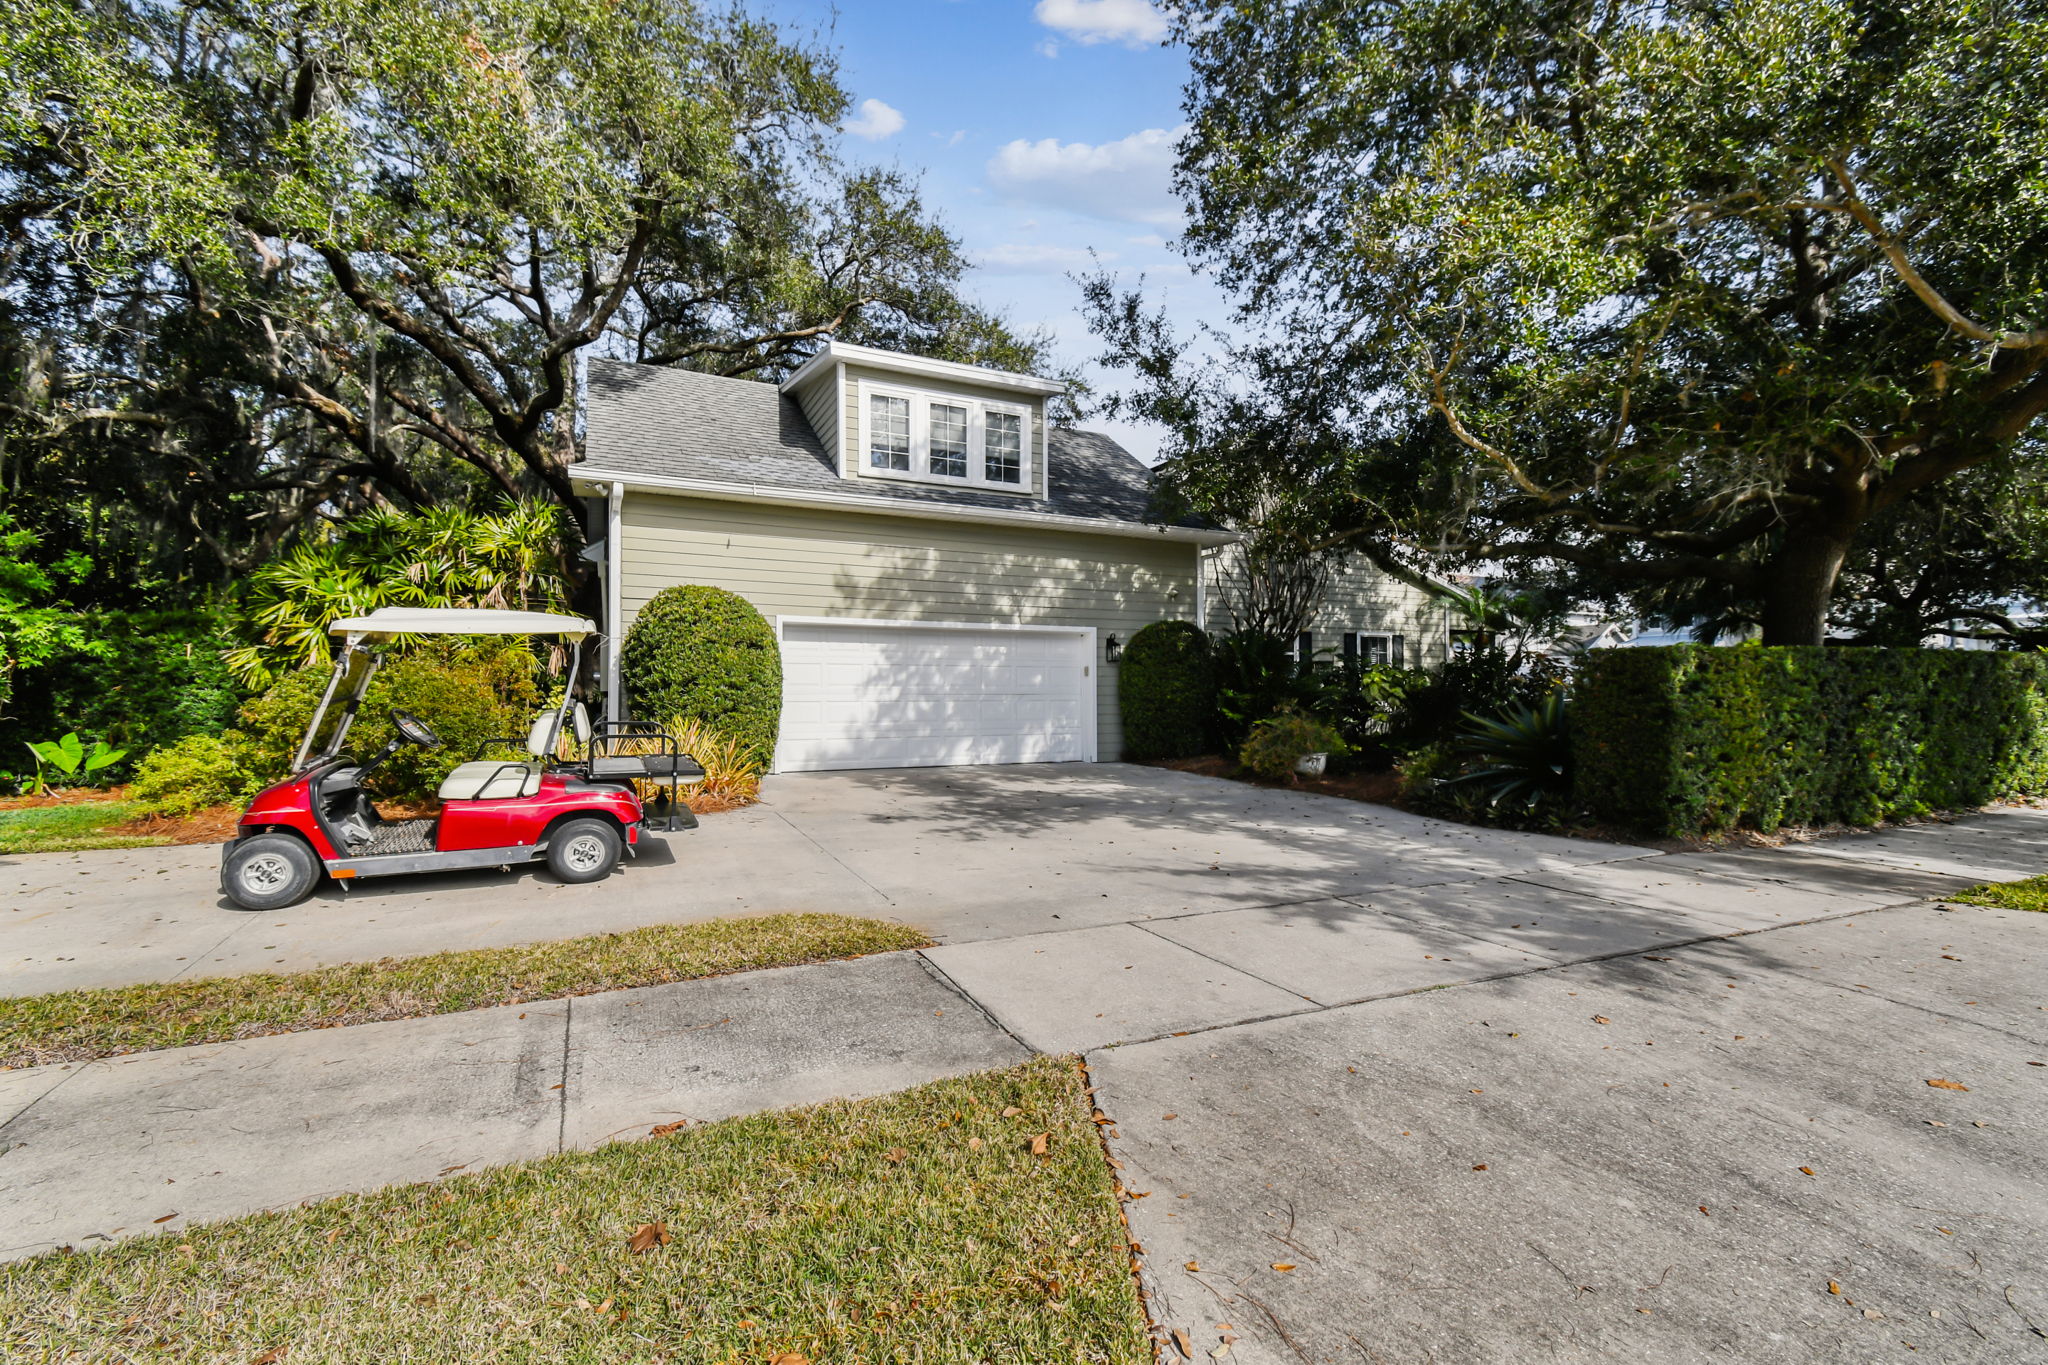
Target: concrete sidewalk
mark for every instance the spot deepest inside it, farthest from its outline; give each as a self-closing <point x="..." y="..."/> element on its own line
<point x="104" y="1149"/>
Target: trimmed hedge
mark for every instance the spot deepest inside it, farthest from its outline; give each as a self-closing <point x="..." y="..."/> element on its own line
<point x="705" y="653"/>
<point x="1690" y="738"/>
<point x="1166" y="689"/>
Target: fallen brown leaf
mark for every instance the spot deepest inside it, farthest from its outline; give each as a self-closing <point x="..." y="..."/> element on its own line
<point x="1834" y="1288"/>
<point x="1195" y="1267"/>
<point x="1940" y="1084"/>
<point x="1011" y="1112"/>
<point x="664" y="1129"/>
<point x="1041" y="1144"/>
<point x="165" y="1219"/>
<point x="895" y="1156"/>
<point x="1806" y="1170"/>
<point x="1480" y="1167"/>
<point x="1169" y="1116"/>
<point x="1601" y="1019"/>
<point x="1183" y="1345"/>
<point x="791" y="1358"/>
<point x="647" y="1237"/>
<point x="1283" y="1266"/>
<point x="974" y="1144"/>
<point x="269" y="1357"/>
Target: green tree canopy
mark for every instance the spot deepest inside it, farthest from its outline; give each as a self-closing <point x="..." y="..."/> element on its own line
<point x="269" y="261"/>
<point x="1664" y="300"/>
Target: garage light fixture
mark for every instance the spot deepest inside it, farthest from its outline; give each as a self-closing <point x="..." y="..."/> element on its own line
<point x="1112" y="649"/>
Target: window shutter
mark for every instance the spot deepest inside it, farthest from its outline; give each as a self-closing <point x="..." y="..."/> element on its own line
<point x="1305" y="647"/>
<point x="1399" y="642"/>
<point x="1351" y="647"/>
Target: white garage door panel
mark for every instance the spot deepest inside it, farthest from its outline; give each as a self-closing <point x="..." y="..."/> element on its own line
<point x="884" y="695"/>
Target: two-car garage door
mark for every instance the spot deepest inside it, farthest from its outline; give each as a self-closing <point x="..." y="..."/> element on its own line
<point x="896" y="694"/>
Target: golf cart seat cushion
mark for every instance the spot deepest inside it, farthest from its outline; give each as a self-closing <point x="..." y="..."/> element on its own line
<point x="662" y="766"/>
<point x="486" y="780"/>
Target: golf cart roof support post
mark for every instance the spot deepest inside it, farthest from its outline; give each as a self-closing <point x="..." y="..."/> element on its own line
<point x="568" y="700"/>
<point x="320" y="712"/>
<point x="354" y="704"/>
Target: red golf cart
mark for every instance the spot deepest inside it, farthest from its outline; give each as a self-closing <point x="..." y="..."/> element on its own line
<point x="578" y="814"/>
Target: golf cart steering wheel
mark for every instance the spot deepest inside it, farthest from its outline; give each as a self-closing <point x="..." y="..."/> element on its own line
<point x="413" y="730"/>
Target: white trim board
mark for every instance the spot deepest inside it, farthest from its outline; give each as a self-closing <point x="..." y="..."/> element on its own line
<point x="589" y="475"/>
<point x="840" y="352"/>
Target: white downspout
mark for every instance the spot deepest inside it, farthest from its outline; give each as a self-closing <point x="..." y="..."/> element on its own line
<point x="1202" y="586"/>
<point x="614" y="702"/>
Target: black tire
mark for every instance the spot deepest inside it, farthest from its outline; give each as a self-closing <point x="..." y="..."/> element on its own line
<point x="585" y="849"/>
<point x="268" y="872"/>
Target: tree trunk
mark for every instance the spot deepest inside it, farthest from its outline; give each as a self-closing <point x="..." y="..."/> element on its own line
<point x="1800" y="582"/>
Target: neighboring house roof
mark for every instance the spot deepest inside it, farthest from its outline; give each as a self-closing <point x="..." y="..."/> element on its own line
<point x="682" y="425"/>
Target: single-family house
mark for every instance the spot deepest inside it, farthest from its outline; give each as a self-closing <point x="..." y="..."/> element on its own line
<point x="951" y="576"/>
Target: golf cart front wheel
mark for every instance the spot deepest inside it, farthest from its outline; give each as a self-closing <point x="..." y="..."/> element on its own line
<point x="269" y="872"/>
<point x="584" y="850"/>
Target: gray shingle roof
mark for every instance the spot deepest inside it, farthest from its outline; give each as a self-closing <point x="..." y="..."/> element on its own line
<point x="648" y="419"/>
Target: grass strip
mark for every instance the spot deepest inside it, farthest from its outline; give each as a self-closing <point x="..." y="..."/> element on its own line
<point x="2031" y="894"/>
<point x="65" y="829"/>
<point x="78" y="1025"/>
<point x="915" y="1227"/>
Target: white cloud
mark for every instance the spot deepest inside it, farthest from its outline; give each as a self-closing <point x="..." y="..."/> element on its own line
<point x="959" y="136"/>
<point x="874" y="122"/>
<point x="1049" y="48"/>
<point x="1134" y="23"/>
<point x="1127" y="180"/>
<point x="1035" y="259"/>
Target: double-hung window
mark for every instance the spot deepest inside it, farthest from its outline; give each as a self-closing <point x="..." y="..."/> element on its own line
<point x="949" y="441"/>
<point x="937" y="438"/>
<point x="888" y="431"/>
<point x="1002" y="451"/>
<point x="1372" y="649"/>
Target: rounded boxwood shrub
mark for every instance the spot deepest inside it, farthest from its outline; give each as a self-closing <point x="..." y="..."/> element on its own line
<point x="706" y="654"/>
<point x="1166" y="688"/>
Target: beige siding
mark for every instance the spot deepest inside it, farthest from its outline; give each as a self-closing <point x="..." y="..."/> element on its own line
<point x="853" y="374"/>
<point x="806" y="562"/>
<point x="1359" y="598"/>
<point x="819" y="399"/>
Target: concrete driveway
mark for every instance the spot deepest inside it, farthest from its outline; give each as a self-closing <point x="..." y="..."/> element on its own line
<point x="964" y="853"/>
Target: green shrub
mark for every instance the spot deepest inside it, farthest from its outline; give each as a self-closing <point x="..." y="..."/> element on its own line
<point x="1277" y="741"/>
<point x="1520" y="758"/>
<point x="144" y="679"/>
<point x="1688" y="738"/>
<point x="705" y="653"/>
<point x="1166" y="689"/>
<point x="196" y="772"/>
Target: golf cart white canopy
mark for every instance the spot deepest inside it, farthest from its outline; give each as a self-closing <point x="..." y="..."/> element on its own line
<point x="388" y="621"/>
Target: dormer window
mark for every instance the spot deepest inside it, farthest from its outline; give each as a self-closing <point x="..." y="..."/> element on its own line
<point x="944" y="438"/>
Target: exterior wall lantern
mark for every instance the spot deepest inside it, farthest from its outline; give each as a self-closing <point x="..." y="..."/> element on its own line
<point x="1112" y="649"/>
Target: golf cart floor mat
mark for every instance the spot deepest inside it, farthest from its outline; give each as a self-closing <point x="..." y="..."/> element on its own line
<point x="398" y="836"/>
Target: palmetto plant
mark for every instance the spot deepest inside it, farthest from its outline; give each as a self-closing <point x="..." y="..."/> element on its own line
<point x="443" y="557"/>
<point x="1520" y="757"/>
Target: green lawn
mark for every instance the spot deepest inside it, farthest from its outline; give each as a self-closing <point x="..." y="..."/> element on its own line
<point x="915" y="1227"/>
<point x="2031" y="894"/>
<point x="77" y="1025"/>
<point x="61" y="829"/>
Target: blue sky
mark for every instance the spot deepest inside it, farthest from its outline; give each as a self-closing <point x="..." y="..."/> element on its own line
<point x="1041" y="130"/>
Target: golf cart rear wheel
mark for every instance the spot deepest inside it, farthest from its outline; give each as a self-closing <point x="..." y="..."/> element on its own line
<point x="269" y="872"/>
<point x="584" y="850"/>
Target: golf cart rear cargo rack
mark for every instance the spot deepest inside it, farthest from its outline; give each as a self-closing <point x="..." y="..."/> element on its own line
<point x="668" y="764"/>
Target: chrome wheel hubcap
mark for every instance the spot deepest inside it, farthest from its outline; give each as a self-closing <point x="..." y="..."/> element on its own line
<point x="584" y="853"/>
<point x="266" y="872"/>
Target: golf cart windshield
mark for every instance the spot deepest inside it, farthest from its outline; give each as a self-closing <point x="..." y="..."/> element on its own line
<point x="365" y="637"/>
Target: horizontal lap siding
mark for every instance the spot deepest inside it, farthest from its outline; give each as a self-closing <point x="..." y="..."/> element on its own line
<point x="1359" y="598"/>
<point x="804" y="562"/>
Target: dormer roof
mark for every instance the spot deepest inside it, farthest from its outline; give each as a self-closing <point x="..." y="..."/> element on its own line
<point x="689" y="431"/>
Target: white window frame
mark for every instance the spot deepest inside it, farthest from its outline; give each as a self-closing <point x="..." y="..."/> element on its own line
<point x="1359" y="637"/>
<point x="921" y="401"/>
